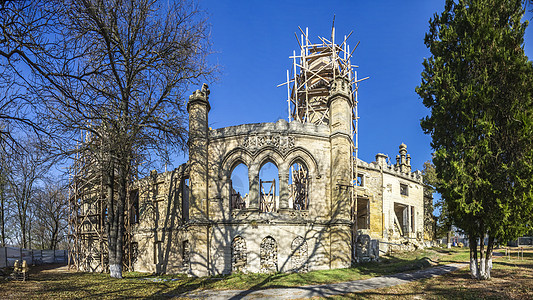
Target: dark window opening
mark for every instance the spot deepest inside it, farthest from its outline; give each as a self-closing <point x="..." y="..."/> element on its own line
<point x="185" y="200"/>
<point x="401" y="218"/>
<point x="298" y="186"/>
<point x="363" y="214"/>
<point x="404" y="189"/>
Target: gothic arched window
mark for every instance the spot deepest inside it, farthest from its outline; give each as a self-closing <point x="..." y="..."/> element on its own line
<point x="298" y="186"/>
<point x="240" y="187"/>
<point x="268" y="189"/>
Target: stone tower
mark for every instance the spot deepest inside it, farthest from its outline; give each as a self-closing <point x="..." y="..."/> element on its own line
<point x="198" y="108"/>
<point x="340" y="107"/>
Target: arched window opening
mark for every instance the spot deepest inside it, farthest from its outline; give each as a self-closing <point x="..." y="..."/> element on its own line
<point x="238" y="254"/>
<point x="268" y="190"/>
<point x="240" y="187"/>
<point x="298" y="186"/>
<point x="269" y="255"/>
<point x="299" y="255"/>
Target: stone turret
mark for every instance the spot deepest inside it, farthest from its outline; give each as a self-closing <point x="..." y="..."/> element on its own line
<point x="340" y="107"/>
<point x="381" y="159"/>
<point x="198" y="108"/>
<point x="403" y="160"/>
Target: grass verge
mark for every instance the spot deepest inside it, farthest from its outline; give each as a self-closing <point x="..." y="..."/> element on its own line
<point x="60" y="284"/>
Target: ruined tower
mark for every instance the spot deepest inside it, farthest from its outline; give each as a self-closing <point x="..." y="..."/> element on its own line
<point x="322" y="90"/>
<point x="198" y="108"/>
<point x="339" y="105"/>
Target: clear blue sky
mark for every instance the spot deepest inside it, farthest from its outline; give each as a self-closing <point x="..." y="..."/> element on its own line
<point x="253" y="40"/>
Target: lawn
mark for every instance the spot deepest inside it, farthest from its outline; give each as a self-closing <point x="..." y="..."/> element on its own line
<point x="47" y="282"/>
<point x="511" y="279"/>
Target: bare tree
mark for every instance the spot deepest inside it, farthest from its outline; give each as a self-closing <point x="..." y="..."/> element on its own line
<point x="26" y="168"/>
<point x="51" y="214"/>
<point x="117" y="70"/>
<point x="27" y="33"/>
<point x="127" y="90"/>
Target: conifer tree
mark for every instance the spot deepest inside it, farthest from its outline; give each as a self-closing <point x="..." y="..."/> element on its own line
<point x="478" y="84"/>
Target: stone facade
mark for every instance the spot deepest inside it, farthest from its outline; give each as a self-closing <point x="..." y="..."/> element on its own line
<point x="192" y="220"/>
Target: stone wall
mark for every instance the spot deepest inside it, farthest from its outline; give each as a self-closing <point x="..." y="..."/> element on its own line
<point x="216" y="238"/>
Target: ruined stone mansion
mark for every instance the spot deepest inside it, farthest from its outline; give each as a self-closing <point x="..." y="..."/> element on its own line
<point x="308" y="216"/>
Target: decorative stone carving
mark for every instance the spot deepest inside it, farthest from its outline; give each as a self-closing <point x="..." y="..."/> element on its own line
<point x="254" y="142"/>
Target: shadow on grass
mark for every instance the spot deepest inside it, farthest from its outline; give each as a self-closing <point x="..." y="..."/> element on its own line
<point x="81" y="285"/>
<point x="387" y="266"/>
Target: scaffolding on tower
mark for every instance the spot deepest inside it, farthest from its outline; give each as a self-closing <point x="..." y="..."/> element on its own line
<point x="309" y="81"/>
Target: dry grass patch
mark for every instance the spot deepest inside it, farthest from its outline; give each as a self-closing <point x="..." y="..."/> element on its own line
<point x="511" y="279"/>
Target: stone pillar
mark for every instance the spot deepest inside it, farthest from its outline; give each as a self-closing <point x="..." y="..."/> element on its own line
<point x="198" y="108"/>
<point x="403" y="161"/>
<point x="408" y="230"/>
<point x="397" y="161"/>
<point x="340" y="109"/>
<point x="253" y="194"/>
<point x="283" y="190"/>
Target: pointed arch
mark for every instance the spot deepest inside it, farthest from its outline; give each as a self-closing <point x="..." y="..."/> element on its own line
<point x="239" y="254"/>
<point x="268" y="255"/>
<point x="299" y="255"/>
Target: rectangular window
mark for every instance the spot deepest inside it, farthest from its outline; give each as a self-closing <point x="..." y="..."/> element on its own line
<point x="404" y="189"/>
<point x="360" y="180"/>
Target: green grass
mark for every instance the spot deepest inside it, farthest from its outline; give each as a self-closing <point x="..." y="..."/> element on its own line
<point x="511" y="279"/>
<point x="75" y="285"/>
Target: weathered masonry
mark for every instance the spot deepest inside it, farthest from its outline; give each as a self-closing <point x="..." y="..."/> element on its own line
<point x="288" y="196"/>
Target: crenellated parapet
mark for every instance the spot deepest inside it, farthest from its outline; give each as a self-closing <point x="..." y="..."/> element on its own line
<point x="401" y="169"/>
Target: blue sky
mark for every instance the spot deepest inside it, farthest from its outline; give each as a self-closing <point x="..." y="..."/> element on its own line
<point x="253" y="40"/>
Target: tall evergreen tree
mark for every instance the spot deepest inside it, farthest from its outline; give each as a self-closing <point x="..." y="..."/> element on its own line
<point x="478" y="84"/>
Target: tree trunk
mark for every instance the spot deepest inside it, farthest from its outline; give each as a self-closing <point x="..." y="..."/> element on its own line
<point x="485" y="274"/>
<point x="53" y="239"/>
<point x="482" y="255"/>
<point x="116" y="238"/>
<point x="2" y="217"/>
<point x="115" y="265"/>
<point x="474" y="270"/>
<point x="449" y="239"/>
